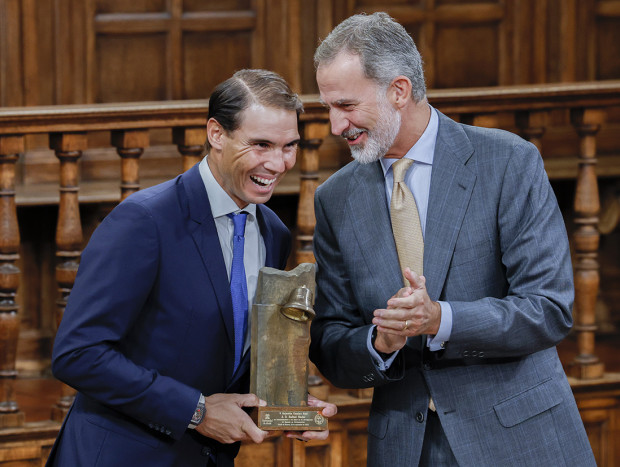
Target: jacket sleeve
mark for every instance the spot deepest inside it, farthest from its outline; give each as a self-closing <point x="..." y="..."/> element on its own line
<point x="534" y="310"/>
<point x="339" y="332"/>
<point x="117" y="272"/>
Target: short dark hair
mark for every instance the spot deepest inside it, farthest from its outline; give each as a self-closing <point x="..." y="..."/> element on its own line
<point x="246" y="87"/>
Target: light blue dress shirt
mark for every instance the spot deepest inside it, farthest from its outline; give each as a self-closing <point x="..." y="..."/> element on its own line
<point x="418" y="179"/>
<point x="254" y="246"/>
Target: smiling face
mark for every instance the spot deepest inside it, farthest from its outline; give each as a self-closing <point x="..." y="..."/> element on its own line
<point x="250" y="161"/>
<point x="359" y="109"/>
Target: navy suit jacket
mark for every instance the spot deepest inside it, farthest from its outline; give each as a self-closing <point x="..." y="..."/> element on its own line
<point x="148" y="327"/>
<point x="496" y="249"/>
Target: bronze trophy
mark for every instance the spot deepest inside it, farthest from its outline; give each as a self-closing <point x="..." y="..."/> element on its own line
<point x="281" y="316"/>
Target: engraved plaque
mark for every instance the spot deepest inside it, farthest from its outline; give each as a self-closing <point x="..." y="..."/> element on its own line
<point x="281" y="317"/>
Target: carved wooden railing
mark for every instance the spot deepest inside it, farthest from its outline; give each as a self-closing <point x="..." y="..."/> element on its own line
<point x="10" y="147"/>
<point x="68" y="129"/>
<point x="530" y="110"/>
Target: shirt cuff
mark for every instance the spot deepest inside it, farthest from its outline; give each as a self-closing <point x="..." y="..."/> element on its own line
<point x="439" y="340"/>
<point x="383" y="365"/>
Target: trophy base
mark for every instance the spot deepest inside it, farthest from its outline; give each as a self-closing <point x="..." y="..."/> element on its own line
<point x="291" y="419"/>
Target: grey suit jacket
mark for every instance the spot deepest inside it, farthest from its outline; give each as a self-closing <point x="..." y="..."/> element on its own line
<point x="496" y="249"/>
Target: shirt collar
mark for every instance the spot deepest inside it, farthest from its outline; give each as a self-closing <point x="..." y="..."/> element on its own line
<point x="221" y="203"/>
<point x="424" y="148"/>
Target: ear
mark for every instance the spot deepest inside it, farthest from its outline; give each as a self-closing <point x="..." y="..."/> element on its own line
<point x="399" y="91"/>
<point x="215" y="132"/>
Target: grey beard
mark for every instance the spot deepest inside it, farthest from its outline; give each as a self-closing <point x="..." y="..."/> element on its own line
<point x="380" y="139"/>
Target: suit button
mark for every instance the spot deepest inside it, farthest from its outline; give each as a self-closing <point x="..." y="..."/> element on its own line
<point x="465" y="353"/>
<point x="481" y="354"/>
<point x="427" y="366"/>
<point x="206" y="451"/>
<point x="419" y="417"/>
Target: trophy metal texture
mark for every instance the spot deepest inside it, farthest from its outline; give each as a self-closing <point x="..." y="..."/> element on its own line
<point x="281" y="317"/>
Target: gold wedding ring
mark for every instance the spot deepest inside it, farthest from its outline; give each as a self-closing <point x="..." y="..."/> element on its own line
<point x="406" y="325"/>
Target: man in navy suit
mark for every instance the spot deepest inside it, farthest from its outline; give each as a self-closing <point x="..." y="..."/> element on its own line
<point x="148" y="335"/>
<point x="462" y="359"/>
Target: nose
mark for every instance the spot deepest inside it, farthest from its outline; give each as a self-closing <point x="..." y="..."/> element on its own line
<point x="338" y="122"/>
<point x="279" y="161"/>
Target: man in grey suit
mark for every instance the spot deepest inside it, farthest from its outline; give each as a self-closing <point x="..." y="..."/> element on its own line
<point x="463" y="358"/>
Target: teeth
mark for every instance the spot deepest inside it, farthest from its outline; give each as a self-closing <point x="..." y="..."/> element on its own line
<point x="352" y="135"/>
<point x="262" y="181"/>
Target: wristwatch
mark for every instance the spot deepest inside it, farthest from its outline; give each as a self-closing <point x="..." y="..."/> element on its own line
<point x="199" y="413"/>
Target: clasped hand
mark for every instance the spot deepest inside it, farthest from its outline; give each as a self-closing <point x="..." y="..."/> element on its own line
<point x="227" y="422"/>
<point x="410" y="312"/>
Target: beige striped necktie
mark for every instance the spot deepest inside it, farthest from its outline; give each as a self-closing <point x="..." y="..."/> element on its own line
<point x="406" y="226"/>
<point x="406" y="221"/>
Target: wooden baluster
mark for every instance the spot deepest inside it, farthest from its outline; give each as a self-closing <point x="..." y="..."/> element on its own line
<point x="532" y="125"/>
<point x="312" y="134"/>
<point x="586" y="365"/>
<point x="191" y="144"/>
<point x="130" y="145"/>
<point x="10" y="148"/>
<point x="488" y="120"/>
<point x="68" y="148"/>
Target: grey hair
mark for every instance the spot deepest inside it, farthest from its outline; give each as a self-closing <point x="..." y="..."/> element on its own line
<point x="384" y="47"/>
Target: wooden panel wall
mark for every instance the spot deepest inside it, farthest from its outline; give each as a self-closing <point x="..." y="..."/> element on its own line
<point x="86" y="51"/>
<point x="91" y="51"/>
<point x="168" y="49"/>
<point x="82" y="51"/>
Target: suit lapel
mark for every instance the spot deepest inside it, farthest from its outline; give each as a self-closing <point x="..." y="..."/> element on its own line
<point x="452" y="184"/>
<point x="451" y="187"/>
<point x="203" y="231"/>
<point x="367" y="207"/>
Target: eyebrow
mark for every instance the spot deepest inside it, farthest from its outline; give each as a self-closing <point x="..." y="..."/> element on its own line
<point x="262" y="140"/>
<point x="339" y="102"/>
<point x="259" y="140"/>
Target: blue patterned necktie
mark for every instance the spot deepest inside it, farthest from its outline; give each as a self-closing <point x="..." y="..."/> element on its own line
<point x="238" y="285"/>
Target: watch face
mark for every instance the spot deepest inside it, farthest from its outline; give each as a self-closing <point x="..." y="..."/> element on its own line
<point x="199" y="414"/>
